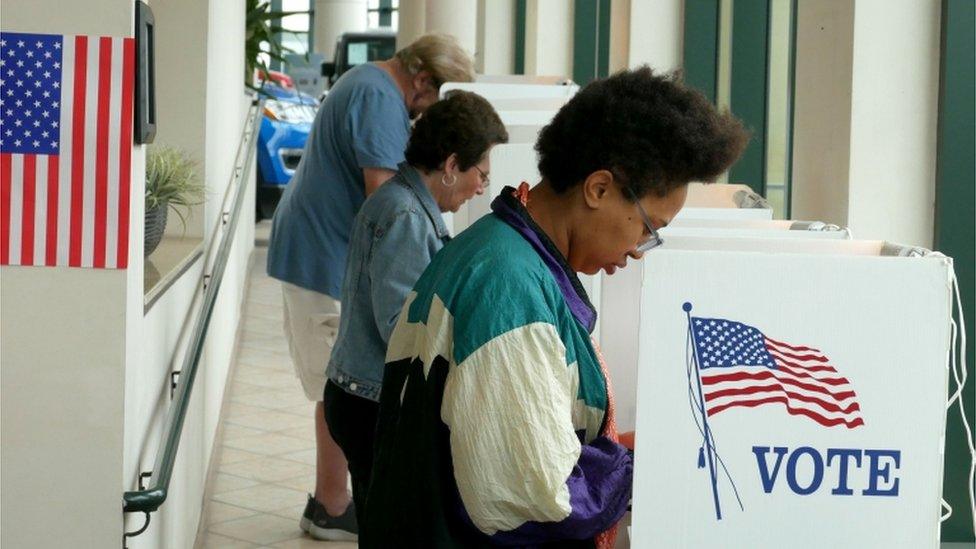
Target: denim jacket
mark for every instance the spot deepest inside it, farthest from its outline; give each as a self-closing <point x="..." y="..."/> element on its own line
<point x="394" y="237"/>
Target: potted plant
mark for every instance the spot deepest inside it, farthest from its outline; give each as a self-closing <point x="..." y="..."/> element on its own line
<point x="171" y="182"/>
<point x="262" y="31"/>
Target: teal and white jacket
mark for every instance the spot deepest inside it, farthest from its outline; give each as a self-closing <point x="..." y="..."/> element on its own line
<point x="493" y="402"/>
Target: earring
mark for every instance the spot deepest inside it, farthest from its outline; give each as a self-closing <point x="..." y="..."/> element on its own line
<point x="444" y="180"/>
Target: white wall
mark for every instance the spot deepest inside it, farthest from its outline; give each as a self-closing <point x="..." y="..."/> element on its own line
<point x="63" y="339"/>
<point x="549" y="38"/>
<point x="147" y="383"/>
<point x="181" y="86"/>
<point x="866" y="116"/>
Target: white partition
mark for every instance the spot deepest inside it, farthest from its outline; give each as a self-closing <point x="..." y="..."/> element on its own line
<point x="511" y="164"/>
<point x="530" y="103"/>
<point x="494" y="90"/>
<point x="753" y="228"/>
<point x="523" y="133"/>
<point x="724" y="201"/>
<point x="526" y="117"/>
<point x="824" y="394"/>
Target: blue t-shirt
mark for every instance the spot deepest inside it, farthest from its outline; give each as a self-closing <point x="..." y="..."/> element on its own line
<point x="363" y="123"/>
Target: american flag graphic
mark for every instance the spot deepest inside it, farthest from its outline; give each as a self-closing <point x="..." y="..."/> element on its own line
<point x="65" y="149"/>
<point x="742" y="367"/>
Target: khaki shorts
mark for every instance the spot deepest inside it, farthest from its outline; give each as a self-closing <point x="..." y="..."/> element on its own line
<point x="311" y="326"/>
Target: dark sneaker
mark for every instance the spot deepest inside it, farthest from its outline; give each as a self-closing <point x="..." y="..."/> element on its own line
<point x="322" y="526"/>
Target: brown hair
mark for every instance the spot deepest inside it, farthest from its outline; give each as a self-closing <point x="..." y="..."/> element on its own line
<point x="463" y="123"/>
<point x="652" y="131"/>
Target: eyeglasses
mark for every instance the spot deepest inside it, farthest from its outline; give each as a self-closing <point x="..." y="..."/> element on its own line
<point x="654" y="239"/>
<point x="485" y="180"/>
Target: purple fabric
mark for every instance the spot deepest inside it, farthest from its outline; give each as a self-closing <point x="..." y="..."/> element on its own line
<point x="511" y="211"/>
<point x="599" y="493"/>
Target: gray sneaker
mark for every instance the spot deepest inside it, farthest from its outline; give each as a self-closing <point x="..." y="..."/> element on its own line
<point x="322" y="526"/>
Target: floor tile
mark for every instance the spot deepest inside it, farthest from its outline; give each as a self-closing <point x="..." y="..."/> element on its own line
<point x="260" y="529"/>
<point x="233" y="455"/>
<point x="221" y="512"/>
<point x="304" y="456"/>
<point x="270" y="444"/>
<point x="268" y="469"/>
<point x="232" y="431"/>
<point x="216" y="541"/>
<point x="272" y="420"/>
<point x="309" y="543"/>
<point x="224" y="482"/>
<point x="263" y="497"/>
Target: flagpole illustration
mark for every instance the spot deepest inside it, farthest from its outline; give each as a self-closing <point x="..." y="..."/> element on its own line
<point x="709" y="452"/>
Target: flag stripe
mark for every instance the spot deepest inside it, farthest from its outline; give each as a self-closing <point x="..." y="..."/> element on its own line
<point x="815" y="358"/>
<point x="759" y="376"/>
<point x="16" y="207"/>
<point x="112" y="143"/>
<point x="819" y="418"/>
<point x="65" y="165"/>
<point x="27" y="211"/>
<point x="92" y="139"/>
<point x="101" y="152"/>
<point x="788" y="347"/>
<point x="51" y="246"/>
<point x="5" y="208"/>
<point x="40" y="209"/>
<point x="776" y="388"/>
<point x="125" y="152"/>
<point x="78" y="148"/>
<point x="802" y="374"/>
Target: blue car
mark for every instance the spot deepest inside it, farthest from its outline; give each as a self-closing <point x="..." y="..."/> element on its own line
<point x="288" y="116"/>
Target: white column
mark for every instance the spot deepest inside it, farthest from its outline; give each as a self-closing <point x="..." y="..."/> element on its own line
<point x="334" y="17"/>
<point x="866" y="112"/>
<point x="455" y="17"/>
<point x="549" y="38"/>
<point x="656" y="34"/>
<point x="495" y="49"/>
<point x="412" y="21"/>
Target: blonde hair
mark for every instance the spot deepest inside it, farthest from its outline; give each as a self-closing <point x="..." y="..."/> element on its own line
<point x="440" y="55"/>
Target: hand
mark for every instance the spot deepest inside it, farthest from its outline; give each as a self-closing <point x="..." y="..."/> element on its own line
<point x="627" y="440"/>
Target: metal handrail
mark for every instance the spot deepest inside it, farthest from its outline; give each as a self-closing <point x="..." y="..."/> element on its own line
<point x="149" y="499"/>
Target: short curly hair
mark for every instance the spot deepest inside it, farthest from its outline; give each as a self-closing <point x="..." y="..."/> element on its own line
<point x="650" y="130"/>
<point x="462" y="123"/>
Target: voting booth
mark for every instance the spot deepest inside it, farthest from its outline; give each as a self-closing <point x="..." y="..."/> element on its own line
<point x="504" y="90"/>
<point x="807" y="410"/>
<point x="724" y="201"/>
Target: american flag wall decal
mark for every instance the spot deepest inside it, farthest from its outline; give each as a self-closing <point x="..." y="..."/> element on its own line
<point x="65" y="149"/>
<point x="742" y="367"/>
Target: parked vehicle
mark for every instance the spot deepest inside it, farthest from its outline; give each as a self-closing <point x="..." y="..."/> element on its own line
<point x="288" y="116"/>
<point x="356" y="48"/>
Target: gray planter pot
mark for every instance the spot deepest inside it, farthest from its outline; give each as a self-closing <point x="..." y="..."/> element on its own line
<point x="155" y="225"/>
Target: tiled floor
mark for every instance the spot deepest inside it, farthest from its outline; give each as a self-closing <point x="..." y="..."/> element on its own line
<point x="267" y="447"/>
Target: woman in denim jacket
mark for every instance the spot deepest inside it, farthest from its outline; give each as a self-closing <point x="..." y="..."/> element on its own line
<point x="394" y="236"/>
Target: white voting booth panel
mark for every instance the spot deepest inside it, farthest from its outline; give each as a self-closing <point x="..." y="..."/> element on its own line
<point x="530" y="103"/>
<point x="620" y="305"/>
<point x="753" y="228"/>
<point x="493" y="90"/>
<point x="816" y="398"/>
<point x="724" y="201"/>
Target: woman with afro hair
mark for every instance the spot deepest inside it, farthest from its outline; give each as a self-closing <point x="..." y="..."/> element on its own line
<point x="496" y="415"/>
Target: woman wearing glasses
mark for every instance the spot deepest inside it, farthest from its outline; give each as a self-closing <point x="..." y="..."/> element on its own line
<point x="394" y="236"/>
<point x="496" y="416"/>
